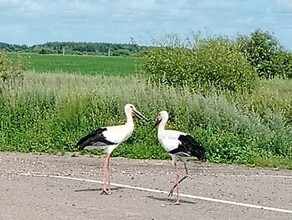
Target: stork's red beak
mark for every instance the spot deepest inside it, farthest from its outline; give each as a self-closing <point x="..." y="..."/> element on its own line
<point x="139" y="115"/>
<point x="158" y="120"/>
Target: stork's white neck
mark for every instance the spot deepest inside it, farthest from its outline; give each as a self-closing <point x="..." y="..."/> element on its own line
<point x="161" y="126"/>
<point x="130" y="121"/>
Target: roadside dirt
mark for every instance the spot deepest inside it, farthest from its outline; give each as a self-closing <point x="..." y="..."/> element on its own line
<point x="27" y="189"/>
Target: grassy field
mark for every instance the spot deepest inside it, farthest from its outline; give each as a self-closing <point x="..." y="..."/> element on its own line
<point x="91" y="65"/>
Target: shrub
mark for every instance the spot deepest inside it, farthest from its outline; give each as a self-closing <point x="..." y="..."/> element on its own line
<point x="211" y="63"/>
<point x="10" y="71"/>
<point x="266" y="54"/>
<point x="282" y="65"/>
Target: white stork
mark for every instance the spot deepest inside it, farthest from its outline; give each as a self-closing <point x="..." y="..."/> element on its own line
<point x="178" y="145"/>
<point x="108" y="138"/>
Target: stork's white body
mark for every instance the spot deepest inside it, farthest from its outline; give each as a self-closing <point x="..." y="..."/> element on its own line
<point x="119" y="134"/>
<point x="115" y="134"/>
<point x="169" y="140"/>
<point x="179" y="145"/>
<point x="109" y="138"/>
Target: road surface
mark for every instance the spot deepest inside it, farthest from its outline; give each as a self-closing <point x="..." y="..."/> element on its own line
<point x="67" y="187"/>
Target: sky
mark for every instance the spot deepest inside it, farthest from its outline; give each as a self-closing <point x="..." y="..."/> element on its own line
<point x="118" y="21"/>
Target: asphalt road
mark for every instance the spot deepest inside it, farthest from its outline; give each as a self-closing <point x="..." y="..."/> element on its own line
<point x="66" y="187"/>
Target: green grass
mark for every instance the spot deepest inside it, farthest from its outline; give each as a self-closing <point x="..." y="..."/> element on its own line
<point x="92" y="65"/>
<point x="271" y="95"/>
<point x="272" y="161"/>
<point x="50" y="112"/>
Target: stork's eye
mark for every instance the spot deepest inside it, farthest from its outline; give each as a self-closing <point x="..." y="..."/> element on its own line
<point x="131" y="106"/>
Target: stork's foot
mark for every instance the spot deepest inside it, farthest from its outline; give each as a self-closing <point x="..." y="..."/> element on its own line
<point x="177" y="202"/>
<point x="106" y="191"/>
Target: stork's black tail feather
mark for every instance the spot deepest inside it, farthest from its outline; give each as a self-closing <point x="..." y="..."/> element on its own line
<point x="93" y="138"/>
<point x="193" y="147"/>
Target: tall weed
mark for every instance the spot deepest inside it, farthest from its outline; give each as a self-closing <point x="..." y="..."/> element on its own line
<point x="50" y="112"/>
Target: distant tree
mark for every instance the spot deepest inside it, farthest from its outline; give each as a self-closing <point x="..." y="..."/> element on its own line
<point x="266" y="54"/>
<point x="75" y="48"/>
<point x="121" y="52"/>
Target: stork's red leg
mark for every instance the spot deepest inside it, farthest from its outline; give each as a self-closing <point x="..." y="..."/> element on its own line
<point x="105" y="188"/>
<point x="185" y="176"/>
<point x="108" y="172"/>
<point x="104" y="176"/>
<point x="177" y="184"/>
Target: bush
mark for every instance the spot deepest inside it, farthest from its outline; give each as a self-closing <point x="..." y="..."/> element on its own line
<point x="282" y="65"/>
<point x="266" y="54"/>
<point x="211" y="63"/>
<point x="10" y="71"/>
<point x="45" y="51"/>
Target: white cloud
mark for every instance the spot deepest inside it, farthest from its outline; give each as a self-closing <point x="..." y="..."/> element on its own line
<point x="285" y="4"/>
<point x="9" y="2"/>
<point x="245" y="20"/>
<point x="215" y="4"/>
<point x="138" y="4"/>
<point x="77" y="6"/>
<point x="118" y="20"/>
<point x="31" y="7"/>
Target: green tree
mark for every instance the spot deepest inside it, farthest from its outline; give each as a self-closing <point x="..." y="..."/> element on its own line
<point x="211" y="63"/>
<point x="266" y="54"/>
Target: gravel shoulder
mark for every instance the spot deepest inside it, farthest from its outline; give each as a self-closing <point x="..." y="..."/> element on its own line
<point x="27" y="190"/>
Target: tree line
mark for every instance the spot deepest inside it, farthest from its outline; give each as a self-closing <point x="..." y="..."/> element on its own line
<point x="79" y="48"/>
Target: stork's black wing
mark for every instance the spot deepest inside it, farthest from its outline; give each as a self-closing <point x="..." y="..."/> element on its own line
<point x="94" y="138"/>
<point x="189" y="147"/>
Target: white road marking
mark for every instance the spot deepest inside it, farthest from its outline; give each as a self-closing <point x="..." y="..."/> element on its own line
<point x="274" y="176"/>
<point x="181" y="194"/>
<point x="256" y="175"/>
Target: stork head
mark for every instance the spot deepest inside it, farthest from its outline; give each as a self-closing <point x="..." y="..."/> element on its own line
<point x="163" y="115"/>
<point x="130" y="109"/>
